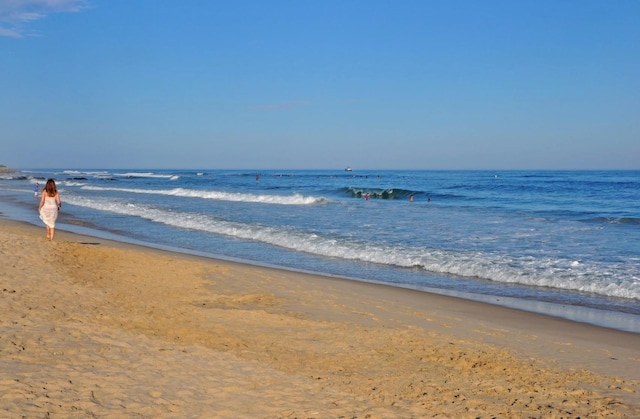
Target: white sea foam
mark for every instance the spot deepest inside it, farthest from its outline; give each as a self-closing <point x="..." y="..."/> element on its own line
<point x="100" y="173"/>
<point x="144" y="174"/>
<point x="605" y="280"/>
<point x="295" y="199"/>
<point x="70" y="183"/>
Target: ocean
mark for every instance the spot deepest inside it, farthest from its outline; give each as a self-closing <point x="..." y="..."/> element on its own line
<point x="565" y="243"/>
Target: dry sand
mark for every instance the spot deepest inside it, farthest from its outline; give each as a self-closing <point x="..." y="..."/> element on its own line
<point x="93" y="328"/>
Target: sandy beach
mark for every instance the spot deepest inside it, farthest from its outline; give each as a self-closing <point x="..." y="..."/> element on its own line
<point x="94" y="328"/>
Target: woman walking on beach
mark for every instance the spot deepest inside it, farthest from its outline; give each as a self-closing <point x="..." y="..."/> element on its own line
<point x="49" y="206"/>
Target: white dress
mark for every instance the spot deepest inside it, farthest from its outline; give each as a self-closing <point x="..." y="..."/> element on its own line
<point x="49" y="211"/>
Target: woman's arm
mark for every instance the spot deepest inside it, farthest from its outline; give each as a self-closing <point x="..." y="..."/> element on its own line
<point x="41" y="201"/>
<point x="58" y="201"/>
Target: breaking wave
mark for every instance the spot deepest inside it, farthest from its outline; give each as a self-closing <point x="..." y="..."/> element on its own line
<point x="295" y="199"/>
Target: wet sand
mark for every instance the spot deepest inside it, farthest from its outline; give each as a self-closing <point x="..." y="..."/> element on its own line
<point x="95" y="328"/>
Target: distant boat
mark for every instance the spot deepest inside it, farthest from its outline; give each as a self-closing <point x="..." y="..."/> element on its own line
<point x="348" y="169"/>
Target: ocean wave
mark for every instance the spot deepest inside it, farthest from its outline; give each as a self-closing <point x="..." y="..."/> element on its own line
<point x="614" y="220"/>
<point x="378" y="193"/>
<point x="13" y="177"/>
<point x="295" y="199"/>
<point x="71" y="183"/>
<point x="132" y="175"/>
<point x="85" y="173"/>
<point x="614" y="280"/>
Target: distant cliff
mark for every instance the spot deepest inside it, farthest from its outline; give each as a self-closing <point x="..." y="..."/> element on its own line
<point x="5" y="169"/>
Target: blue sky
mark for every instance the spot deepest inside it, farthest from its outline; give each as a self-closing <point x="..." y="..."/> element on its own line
<point x="320" y="84"/>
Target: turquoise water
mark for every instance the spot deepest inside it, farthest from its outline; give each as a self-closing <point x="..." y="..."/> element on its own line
<point x="567" y="238"/>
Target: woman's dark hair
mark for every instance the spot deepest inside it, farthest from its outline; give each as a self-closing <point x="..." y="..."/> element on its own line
<point x="50" y="188"/>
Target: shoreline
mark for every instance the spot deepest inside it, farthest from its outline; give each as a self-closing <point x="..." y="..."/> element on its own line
<point x="256" y="341"/>
<point x="618" y="320"/>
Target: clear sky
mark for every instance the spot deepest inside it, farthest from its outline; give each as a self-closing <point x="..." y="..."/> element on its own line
<point x="320" y="84"/>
